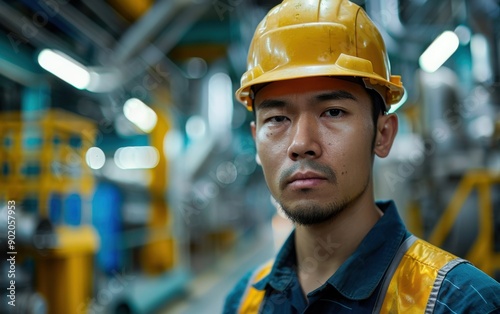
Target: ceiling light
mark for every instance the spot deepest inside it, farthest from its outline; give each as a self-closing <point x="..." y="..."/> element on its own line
<point x="64" y="67"/>
<point x="140" y="114"/>
<point x="95" y="158"/>
<point x="441" y="49"/>
<point x="137" y="157"/>
<point x="480" y="51"/>
<point x="220" y="102"/>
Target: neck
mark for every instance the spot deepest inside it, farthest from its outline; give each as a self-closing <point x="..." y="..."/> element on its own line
<point x="321" y="249"/>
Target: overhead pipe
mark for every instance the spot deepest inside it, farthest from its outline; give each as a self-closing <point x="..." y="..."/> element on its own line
<point x="86" y="26"/>
<point x="107" y="15"/>
<point x="155" y="53"/>
<point x="171" y="36"/>
<point x="395" y="28"/>
<point x="484" y="18"/>
<point x="25" y="30"/>
<point x="144" y="30"/>
<point x="77" y="20"/>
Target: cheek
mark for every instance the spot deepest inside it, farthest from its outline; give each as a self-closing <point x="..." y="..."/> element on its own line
<point x="363" y="155"/>
<point x="268" y="144"/>
<point x="272" y="153"/>
<point x="351" y="153"/>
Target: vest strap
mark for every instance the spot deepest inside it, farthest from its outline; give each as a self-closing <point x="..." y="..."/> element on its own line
<point x="403" y="248"/>
<point x="414" y="285"/>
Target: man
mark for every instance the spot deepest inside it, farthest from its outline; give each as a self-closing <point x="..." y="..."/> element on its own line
<point x="319" y="83"/>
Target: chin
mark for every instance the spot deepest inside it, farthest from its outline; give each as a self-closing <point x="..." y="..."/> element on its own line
<point x="310" y="213"/>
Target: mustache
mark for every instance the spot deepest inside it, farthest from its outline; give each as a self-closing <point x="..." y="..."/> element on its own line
<point x="312" y="165"/>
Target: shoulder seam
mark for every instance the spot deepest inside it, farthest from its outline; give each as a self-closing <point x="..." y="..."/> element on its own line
<point x="438" y="282"/>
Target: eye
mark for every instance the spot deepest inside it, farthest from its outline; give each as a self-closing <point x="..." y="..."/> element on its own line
<point x="334" y="113"/>
<point x="277" y="119"/>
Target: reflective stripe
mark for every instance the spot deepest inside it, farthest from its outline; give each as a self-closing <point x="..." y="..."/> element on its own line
<point x="415" y="278"/>
<point x="403" y="248"/>
<point x="439" y="281"/>
<point x="252" y="298"/>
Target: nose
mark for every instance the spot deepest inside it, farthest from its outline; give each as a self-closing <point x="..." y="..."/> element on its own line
<point x="305" y="139"/>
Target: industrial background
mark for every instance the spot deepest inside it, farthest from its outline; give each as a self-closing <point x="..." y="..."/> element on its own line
<point x="129" y="168"/>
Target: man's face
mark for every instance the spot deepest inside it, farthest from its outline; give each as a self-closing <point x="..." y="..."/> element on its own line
<point x="314" y="139"/>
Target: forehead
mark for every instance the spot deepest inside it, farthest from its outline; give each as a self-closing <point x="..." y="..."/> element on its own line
<point x="308" y="87"/>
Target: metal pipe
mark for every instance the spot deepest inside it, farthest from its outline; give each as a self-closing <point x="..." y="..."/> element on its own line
<point x="153" y="54"/>
<point x="107" y="14"/>
<point x="387" y="14"/>
<point x="142" y="32"/>
<point x="24" y="30"/>
<point x="484" y="16"/>
<point x="496" y="55"/>
<point x="85" y="26"/>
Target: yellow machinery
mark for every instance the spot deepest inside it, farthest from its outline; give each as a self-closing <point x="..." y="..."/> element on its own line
<point x="482" y="253"/>
<point x="43" y="155"/>
<point x="159" y="254"/>
<point x="64" y="273"/>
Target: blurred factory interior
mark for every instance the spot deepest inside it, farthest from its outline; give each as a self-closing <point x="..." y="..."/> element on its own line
<point x="130" y="167"/>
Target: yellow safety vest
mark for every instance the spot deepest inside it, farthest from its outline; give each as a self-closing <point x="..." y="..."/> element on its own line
<point x="411" y="283"/>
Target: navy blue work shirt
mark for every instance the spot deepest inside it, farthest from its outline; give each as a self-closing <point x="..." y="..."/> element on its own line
<point x="354" y="287"/>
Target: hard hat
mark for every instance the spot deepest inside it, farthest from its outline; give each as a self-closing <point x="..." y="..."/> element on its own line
<point x="301" y="38"/>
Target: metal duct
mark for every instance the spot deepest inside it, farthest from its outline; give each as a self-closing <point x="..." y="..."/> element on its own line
<point x="144" y="30"/>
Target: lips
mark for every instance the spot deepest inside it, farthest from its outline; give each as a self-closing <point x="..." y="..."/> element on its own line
<point x="305" y="180"/>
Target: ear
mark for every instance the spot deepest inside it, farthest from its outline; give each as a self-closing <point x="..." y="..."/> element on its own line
<point x="252" y="127"/>
<point x="387" y="128"/>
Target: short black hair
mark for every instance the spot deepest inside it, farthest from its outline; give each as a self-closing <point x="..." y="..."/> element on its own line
<point x="378" y="104"/>
<point x="378" y="108"/>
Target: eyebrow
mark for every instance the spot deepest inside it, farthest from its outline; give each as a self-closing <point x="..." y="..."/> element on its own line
<point x="334" y="95"/>
<point x="270" y="104"/>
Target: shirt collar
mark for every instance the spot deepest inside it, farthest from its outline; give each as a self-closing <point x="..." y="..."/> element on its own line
<point x="360" y="274"/>
<point x="284" y="267"/>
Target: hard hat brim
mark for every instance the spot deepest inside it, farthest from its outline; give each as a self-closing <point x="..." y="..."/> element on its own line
<point x="393" y="91"/>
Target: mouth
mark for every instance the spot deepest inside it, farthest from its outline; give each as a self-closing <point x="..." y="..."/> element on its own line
<point x="305" y="180"/>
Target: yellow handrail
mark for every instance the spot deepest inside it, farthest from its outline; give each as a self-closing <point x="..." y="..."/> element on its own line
<point x="482" y="252"/>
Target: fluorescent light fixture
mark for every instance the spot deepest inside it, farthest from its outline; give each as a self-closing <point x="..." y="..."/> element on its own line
<point x="480" y="51"/>
<point x="140" y="114"/>
<point x="441" y="49"/>
<point x="400" y="103"/>
<point x="137" y="157"/>
<point x="220" y="102"/>
<point x="95" y="158"/>
<point x="64" y="67"/>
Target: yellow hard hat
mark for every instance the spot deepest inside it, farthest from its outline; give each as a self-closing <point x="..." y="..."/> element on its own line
<point x="301" y="38"/>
